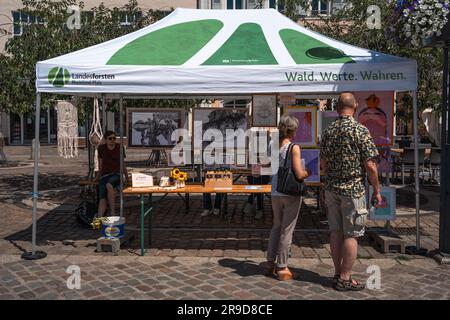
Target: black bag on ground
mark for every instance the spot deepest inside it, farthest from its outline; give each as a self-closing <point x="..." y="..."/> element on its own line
<point x="86" y="212"/>
<point x="287" y="181"/>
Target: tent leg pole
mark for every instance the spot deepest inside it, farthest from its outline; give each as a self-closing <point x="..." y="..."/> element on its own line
<point x="417" y="249"/>
<point x="443" y="255"/>
<point x="34" y="254"/>
<point x="121" y="154"/>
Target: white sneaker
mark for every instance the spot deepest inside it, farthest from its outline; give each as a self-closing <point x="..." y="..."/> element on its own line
<point x="249" y="208"/>
<point x="205" y="213"/>
<point x="216" y="212"/>
<point x="259" y="214"/>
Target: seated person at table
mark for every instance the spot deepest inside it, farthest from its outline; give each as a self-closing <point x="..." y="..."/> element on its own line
<point x="249" y="206"/>
<point x="207" y="204"/>
<point x="108" y="173"/>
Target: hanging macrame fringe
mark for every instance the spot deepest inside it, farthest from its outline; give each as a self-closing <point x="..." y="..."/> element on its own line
<point x="96" y="134"/>
<point x="67" y="129"/>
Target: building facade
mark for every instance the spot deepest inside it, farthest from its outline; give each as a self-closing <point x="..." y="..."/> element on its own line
<point x="19" y="128"/>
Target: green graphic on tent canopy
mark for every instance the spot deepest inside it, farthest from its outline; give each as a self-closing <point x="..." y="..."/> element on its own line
<point x="172" y="45"/>
<point x="58" y="77"/>
<point x="246" y="46"/>
<point x="307" y="50"/>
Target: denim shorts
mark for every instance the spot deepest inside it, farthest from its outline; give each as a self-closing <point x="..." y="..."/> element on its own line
<point x="113" y="179"/>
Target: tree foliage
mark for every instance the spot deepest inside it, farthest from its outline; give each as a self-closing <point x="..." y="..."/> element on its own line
<point x="350" y="25"/>
<point x="52" y="38"/>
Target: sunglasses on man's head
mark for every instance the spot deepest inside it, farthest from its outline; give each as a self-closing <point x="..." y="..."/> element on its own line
<point x="111" y="138"/>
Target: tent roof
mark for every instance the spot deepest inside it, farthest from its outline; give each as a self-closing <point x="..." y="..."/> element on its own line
<point x="224" y="52"/>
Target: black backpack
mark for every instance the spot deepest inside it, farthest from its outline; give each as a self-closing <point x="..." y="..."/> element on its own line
<point x="86" y="212"/>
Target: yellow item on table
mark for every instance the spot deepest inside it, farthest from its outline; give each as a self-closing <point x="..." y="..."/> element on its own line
<point x="177" y="174"/>
<point x="97" y="223"/>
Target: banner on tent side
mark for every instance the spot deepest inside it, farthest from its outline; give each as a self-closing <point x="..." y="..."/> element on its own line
<point x="233" y="79"/>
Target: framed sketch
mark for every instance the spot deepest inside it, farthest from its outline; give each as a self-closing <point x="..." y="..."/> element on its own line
<point x="306" y="135"/>
<point x="376" y="112"/>
<point x="220" y="119"/>
<point x="152" y="128"/>
<point x="385" y="210"/>
<point x="311" y="161"/>
<point x="264" y="110"/>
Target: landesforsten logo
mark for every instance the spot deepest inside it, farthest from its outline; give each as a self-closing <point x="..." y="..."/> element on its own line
<point x="58" y="77"/>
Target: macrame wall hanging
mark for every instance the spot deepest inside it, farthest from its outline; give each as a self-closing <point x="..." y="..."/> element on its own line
<point x="96" y="133"/>
<point x="67" y="129"/>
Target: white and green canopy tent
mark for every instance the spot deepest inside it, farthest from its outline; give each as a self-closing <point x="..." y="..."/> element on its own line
<point x="222" y="52"/>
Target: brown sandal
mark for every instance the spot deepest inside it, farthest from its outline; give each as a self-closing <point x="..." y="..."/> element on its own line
<point x="348" y="285"/>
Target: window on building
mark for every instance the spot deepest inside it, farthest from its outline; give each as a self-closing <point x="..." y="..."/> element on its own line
<point x="216" y="4"/>
<point x="251" y="4"/>
<point x="235" y="103"/>
<point x="320" y="7"/>
<point x="235" y="4"/>
<point x="127" y="19"/>
<point x="22" y="20"/>
<point x="337" y="5"/>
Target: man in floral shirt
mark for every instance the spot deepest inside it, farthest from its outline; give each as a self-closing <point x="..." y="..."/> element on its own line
<point x="347" y="154"/>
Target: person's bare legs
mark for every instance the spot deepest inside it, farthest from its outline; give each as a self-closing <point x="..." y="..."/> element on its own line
<point x="111" y="198"/>
<point x="349" y="253"/>
<point x="336" y="248"/>
<point x="102" y="205"/>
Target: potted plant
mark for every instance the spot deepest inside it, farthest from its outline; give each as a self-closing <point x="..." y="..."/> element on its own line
<point x="414" y="21"/>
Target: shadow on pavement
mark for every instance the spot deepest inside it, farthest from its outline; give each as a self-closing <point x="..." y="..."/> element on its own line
<point x="250" y="268"/>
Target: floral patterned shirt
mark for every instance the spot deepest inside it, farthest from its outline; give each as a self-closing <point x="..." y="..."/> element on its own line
<point x="346" y="146"/>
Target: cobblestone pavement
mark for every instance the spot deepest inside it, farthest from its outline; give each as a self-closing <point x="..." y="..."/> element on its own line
<point x="190" y="256"/>
<point x="211" y="278"/>
<point x="178" y="234"/>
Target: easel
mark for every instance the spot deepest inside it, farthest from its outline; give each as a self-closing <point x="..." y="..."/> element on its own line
<point x="157" y="158"/>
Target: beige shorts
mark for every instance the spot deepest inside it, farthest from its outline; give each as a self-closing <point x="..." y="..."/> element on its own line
<point x="346" y="214"/>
